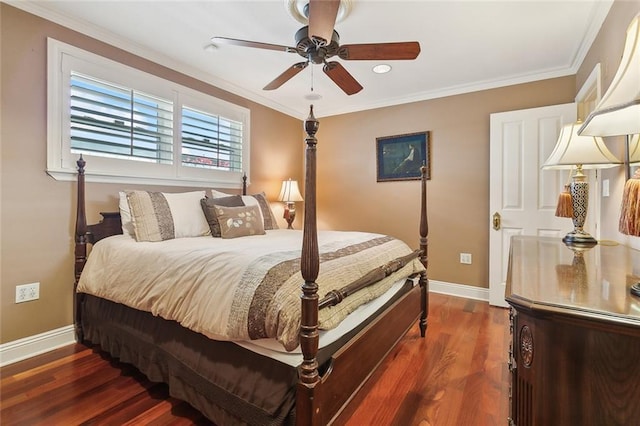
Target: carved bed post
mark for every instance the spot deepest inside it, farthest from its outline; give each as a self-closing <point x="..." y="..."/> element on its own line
<point x="244" y="184"/>
<point x="307" y="410"/>
<point x="424" y="232"/>
<point x="80" y="247"/>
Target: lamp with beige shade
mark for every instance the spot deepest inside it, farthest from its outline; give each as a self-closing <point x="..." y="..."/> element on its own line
<point x="618" y="114"/>
<point x="581" y="152"/>
<point x="290" y="194"/>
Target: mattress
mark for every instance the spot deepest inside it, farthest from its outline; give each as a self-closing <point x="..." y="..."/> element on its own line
<point x="272" y="349"/>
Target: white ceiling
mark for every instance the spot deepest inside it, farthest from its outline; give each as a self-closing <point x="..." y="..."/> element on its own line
<point x="465" y="45"/>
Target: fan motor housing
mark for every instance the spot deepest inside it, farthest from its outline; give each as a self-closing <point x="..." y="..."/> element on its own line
<point x="314" y="51"/>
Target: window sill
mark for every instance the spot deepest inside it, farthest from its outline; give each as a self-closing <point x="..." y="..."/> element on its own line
<point x="68" y="176"/>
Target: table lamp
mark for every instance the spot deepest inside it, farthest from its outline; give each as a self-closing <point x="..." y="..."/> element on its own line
<point x="289" y="194"/>
<point x="618" y="114"/>
<point x="630" y="210"/>
<point x="629" y="223"/>
<point x="581" y="152"/>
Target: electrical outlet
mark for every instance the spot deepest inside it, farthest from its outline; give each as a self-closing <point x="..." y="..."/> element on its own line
<point x="27" y="292"/>
<point x="605" y="188"/>
<point x="465" y="258"/>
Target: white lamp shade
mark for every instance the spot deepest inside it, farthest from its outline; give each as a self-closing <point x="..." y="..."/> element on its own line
<point x="290" y="191"/>
<point x="573" y="149"/>
<point x="618" y="113"/>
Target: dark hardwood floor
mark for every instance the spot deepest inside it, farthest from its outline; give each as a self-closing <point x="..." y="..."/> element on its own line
<point x="457" y="376"/>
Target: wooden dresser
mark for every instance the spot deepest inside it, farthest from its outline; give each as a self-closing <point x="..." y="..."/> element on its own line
<point x="575" y="350"/>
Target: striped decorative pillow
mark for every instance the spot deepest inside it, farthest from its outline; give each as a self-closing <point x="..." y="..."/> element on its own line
<point x="159" y="216"/>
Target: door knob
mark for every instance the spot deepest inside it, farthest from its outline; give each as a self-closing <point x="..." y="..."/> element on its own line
<point x="496" y="221"/>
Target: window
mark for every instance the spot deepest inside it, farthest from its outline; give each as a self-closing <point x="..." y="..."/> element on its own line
<point x="134" y="127"/>
<point x="210" y="141"/>
<point x="117" y="122"/>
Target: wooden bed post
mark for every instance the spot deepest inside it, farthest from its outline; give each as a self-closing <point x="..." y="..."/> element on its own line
<point x="80" y="247"/>
<point x="244" y="184"/>
<point x="307" y="409"/>
<point x="424" y="233"/>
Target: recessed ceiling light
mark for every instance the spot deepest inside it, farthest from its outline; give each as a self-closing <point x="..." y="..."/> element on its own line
<point x="382" y="69"/>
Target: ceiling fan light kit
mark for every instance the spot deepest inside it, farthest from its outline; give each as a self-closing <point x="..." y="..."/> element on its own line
<point x="319" y="41"/>
<point x="299" y="10"/>
<point x="313" y="96"/>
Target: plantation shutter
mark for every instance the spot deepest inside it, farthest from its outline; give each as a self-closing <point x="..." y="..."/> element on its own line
<point x="211" y="141"/>
<point x="113" y="121"/>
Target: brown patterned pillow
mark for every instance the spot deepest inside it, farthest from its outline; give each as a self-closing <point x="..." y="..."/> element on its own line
<point x="252" y="200"/>
<point x="208" y="208"/>
<point x="239" y="221"/>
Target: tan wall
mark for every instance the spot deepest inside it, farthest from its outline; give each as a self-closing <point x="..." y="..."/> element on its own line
<point x="458" y="192"/>
<point x="38" y="213"/>
<point x="608" y="45"/>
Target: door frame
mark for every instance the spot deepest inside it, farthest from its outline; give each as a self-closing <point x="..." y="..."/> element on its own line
<point x="586" y="100"/>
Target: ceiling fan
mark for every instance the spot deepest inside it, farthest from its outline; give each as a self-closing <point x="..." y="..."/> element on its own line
<point x="318" y="42"/>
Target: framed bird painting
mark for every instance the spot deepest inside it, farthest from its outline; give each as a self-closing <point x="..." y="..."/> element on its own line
<point x="400" y="157"/>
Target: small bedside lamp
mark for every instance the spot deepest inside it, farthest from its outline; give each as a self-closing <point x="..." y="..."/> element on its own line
<point x="289" y="194"/>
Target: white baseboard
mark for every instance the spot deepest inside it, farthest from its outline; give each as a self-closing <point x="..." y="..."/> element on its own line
<point x="459" y="290"/>
<point x="28" y="347"/>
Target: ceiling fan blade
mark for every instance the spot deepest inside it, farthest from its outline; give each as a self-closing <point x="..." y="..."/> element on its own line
<point x="380" y="51"/>
<point x="322" y="19"/>
<point x="286" y="76"/>
<point x="342" y="78"/>
<point x="255" y="44"/>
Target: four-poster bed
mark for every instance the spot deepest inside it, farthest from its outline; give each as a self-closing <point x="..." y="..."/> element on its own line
<point x="231" y="384"/>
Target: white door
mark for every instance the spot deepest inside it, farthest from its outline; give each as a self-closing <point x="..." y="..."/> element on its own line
<point x="523" y="197"/>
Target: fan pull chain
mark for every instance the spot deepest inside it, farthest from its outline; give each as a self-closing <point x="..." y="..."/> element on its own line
<point x="312" y="77"/>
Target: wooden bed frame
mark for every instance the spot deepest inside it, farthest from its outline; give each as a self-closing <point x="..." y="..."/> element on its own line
<point x="319" y="399"/>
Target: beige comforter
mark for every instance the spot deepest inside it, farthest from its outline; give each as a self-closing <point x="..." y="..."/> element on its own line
<point x="238" y="289"/>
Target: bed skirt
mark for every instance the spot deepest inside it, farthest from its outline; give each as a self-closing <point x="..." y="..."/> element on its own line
<point x="228" y="384"/>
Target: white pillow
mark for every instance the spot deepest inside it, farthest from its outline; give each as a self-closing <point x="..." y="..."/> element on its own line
<point x="159" y="216"/>
<point x="219" y="194"/>
<point x="125" y="215"/>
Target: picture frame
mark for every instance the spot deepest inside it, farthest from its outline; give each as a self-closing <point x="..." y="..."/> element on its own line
<point x="401" y="157"/>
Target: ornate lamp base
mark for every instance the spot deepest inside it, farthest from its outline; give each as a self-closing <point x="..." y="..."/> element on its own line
<point x="579" y="239"/>
<point x="635" y="289"/>
<point x="290" y="214"/>
<point x="580" y="200"/>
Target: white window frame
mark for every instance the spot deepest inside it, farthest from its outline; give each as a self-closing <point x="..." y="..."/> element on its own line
<point x="61" y="163"/>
